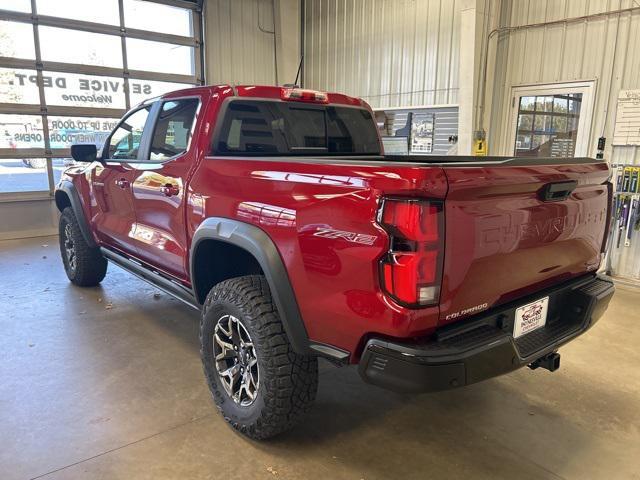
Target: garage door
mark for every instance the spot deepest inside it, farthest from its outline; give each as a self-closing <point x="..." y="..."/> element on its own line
<point x="70" y="68"/>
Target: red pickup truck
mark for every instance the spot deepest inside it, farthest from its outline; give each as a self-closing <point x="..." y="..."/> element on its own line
<point x="275" y="213"/>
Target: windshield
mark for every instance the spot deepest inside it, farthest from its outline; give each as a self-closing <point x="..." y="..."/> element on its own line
<point x="262" y="127"/>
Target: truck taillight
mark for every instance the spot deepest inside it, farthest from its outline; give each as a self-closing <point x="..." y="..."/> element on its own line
<point x="302" y="95"/>
<point x="411" y="270"/>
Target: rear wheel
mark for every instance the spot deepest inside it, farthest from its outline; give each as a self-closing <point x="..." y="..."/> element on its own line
<point x="85" y="266"/>
<point x="259" y="384"/>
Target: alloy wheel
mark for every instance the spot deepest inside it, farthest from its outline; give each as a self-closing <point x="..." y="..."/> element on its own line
<point x="236" y="360"/>
<point x="69" y="247"/>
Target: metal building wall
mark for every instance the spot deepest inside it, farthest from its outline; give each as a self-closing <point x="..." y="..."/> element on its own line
<point x="390" y="52"/>
<point x="604" y="49"/>
<point x="239" y="42"/>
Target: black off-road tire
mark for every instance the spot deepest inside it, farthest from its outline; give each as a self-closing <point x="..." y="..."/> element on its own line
<point x="288" y="382"/>
<point x="90" y="266"/>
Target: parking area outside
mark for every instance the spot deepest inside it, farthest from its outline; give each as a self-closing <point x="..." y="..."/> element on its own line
<point x="18" y="176"/>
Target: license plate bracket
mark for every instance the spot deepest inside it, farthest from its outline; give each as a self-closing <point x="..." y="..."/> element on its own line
<point x="530" y="317"/>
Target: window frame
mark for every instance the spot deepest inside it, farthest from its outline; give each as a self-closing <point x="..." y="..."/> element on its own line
<point x="160" y="102"/>
<point x="144" y="151"/>
<point x="126" y="75"/>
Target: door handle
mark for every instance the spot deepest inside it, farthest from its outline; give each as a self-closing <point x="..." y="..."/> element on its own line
<point x="169" y="190"/>
<point x="556" y="192"/>
<point x="122" y="183"/>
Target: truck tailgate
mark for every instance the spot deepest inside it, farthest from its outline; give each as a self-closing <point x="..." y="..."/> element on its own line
<point x="514" y="229"/>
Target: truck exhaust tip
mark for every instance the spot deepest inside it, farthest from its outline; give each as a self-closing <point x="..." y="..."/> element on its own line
<point x="549" y="362"/>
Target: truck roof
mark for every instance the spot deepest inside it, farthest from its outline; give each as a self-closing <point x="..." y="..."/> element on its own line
<point x="266" y="91"/>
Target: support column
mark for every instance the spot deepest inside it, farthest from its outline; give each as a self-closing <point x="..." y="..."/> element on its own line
<point x="288" y="40"/>
<point x="473" y="29"/>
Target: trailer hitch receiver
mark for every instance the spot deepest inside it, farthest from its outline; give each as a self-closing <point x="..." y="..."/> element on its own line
<point x="549" y="362"/>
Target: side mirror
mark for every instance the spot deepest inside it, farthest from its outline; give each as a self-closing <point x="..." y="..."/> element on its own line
<point x="84" y="153"/>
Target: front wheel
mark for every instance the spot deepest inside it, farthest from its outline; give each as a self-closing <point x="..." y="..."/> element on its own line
<point x="84" y="265"/>
<point x="259" y="384"/>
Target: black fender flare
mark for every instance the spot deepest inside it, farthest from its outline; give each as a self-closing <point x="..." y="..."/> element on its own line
<point x="74" y="200"/>
<point x="255" y="241"/>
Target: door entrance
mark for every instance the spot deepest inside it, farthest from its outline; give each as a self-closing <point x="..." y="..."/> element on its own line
<point x="552" y="120"/>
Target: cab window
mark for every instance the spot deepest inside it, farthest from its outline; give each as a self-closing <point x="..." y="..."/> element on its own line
<point x="173" y="128"/>
<point x="263" y="127"/>
<point x="124" y="143"/>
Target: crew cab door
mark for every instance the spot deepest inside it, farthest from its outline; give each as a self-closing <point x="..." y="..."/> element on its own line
<point x="159" y="186"/>
<point x="113" y="214"/>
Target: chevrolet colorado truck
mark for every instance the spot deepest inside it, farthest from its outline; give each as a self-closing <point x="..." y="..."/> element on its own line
<point x="275" y="213"/>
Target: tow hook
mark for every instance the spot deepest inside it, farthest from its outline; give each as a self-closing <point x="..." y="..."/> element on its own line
<point x="549" y="362"/>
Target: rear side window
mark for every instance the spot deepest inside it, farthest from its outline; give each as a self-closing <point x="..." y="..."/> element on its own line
<point x="173" y="128"/>
<point x="254" y="127"/>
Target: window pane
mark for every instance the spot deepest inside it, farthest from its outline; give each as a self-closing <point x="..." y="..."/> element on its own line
<point x="103" y="11"/>
<point x="18" y="86"/>
<point x="157" y="18"/>
<point x="525" y="122"/>
<point x="560" y="104"/>
<point x="173" y="129"/>
<point x="560" y="124"/>
<point x="575" y="102"/>
<point x="523" y="141"/>
<point x="544" y="104"/>
<point x="21" y="131"/>
<point x="23" y="175"/>
<point x="73" y="46"/>
<point x="16" y="40"/>
<point x="527" y="103"/>
<point x="17" y="5"/>
<point x="257" y="127"/>
<point x="75" y="90"/>
<point x="305" y="129"/>
<point x="59" y="165"/>
<point x="555" y="125"/>
<point x="539" y="140"/>
<point x="572" y="124"/>
<point x="159" y="57"/>
<point x="542" y="122"/>
<point x="347" y="131"/>
<point x="125" y="141"/>
<point x="65" y="131"/>
<point x="142" y="90"/>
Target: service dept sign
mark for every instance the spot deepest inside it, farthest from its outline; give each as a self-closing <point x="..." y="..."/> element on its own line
<point x="67" y="89"/>
<point x="70" y="89"/>
<point x="84" y="91"/>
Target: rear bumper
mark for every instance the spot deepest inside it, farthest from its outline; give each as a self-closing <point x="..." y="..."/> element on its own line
<point x="483" y="346"/>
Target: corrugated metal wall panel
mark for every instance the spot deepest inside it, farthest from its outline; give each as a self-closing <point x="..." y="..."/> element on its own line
<point x="575" y="51"/>
<point x="237" y="51"/>
<point x="390" y="52"/>
<point x="584" y="50"/>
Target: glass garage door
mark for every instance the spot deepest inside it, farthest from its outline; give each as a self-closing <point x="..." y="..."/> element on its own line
<point x="69" y="69"/>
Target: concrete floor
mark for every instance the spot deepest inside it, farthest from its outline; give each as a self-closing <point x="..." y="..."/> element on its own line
<point x="106" y="383"/>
